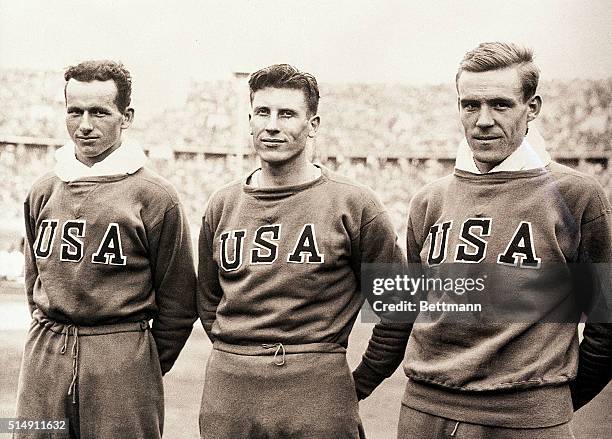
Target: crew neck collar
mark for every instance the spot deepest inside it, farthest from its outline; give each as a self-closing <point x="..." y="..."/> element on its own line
<point x="281" y="191"/>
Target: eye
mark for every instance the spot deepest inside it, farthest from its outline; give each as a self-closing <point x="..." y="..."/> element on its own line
<point x="99" y="113"/>
<point x="285" y="113"/>
<point x="501" y="104"/>
<point x="262" y="112"/>
<point x="470" y="106"/>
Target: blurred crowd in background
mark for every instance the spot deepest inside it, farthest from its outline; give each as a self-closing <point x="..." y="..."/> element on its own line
<point x="393" y="138"/>
<point x="357" y="119"/>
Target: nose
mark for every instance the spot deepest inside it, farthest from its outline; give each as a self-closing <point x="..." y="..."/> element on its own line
<point x="484" y="118"/>
<point x="85" y="125"/>
<point x="272" y="124"/>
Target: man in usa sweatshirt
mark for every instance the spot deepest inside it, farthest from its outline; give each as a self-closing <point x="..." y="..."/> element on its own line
<point x="107" y="252"/>
<point x="280" y="256"/>
<point x="508" y="210"/>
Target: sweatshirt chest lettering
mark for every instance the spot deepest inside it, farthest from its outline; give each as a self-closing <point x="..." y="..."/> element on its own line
<point x="473" y="235"/>
<point x="72" y="241"/>
<point x="263" y="247"/>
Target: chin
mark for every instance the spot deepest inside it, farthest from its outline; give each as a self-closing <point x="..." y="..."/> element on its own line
<point x="276" y="158"/>
<point x="273" y="161"/>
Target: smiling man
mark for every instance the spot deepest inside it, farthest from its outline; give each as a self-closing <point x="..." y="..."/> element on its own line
<point x="107" y="251"/>
<point x="510" y="213"/>
<point x="279" y="278"/>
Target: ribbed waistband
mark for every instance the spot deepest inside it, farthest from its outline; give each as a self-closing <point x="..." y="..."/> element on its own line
<point x="536" y="407"/>
<point x="61" y="328"/>
<point x="270" y="348"/>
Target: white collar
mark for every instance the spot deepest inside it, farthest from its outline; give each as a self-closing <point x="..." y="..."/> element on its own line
<point x="126" y="159"/>
<point x="531" y="154"/>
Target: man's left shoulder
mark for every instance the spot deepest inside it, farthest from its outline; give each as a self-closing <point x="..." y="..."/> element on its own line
<point x="580" y="190"/>
<point x="349" y="188"/>
<point x="150" y="182"/>
<point x="573" y="178"/>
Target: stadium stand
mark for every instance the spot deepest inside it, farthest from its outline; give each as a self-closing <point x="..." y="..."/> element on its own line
<point x="393" y="138"/>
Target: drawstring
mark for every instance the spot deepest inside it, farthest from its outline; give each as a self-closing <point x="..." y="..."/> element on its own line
<point x="455" y="429"/>
<point x="279" y="348"/>
<point x="65" y="332"/>
<point x="75" y="357"/>
<point x="75" y="364"/>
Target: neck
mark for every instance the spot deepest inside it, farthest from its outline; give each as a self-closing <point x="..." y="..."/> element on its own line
<point x="485" y="167"/>
<point x="289" y="175"/>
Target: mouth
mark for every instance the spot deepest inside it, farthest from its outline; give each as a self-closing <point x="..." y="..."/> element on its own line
<point x="271" y="141"/>
<point x="87" y="139"/>
<point x="486" y="138"/>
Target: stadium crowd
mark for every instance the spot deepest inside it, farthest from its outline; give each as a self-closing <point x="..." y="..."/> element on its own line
<point x="398" y="132"/>
<point x="357" y="119"/>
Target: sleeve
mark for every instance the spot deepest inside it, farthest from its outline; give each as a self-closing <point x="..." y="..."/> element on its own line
<point x="385" y="351"/>
<point x="209" y="289"/>
<point x="174" y="280"/>
<point x="594" y="363"/>
<point x="31" y="269"/>
<point x="412" y="245"/>
<point x="382" y="357"/>
<point x="595" y="354"/>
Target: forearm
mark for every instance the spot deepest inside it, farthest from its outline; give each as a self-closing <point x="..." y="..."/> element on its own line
<point x="175" y="287"/>
<point x="594" y="363"/>
<point x="382" y="357"/>
<point x="209" y="289"/>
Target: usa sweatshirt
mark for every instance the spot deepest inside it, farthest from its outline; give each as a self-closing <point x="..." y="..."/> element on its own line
<point x="110" y="249"/>
<point x="504" y="374"/>
<point x="282" y="265"/>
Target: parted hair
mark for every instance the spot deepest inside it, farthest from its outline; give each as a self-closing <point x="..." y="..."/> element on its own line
<point x="103" y="70"/>
<point x="286" y="76"/>
<point x="499" y="55"/>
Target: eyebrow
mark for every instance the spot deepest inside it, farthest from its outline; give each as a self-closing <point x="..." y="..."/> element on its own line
<point x="498" y="100"/>
<point x="95" y="108"/>
<point x="501" y="101"/>
<point x="469" y="101"/>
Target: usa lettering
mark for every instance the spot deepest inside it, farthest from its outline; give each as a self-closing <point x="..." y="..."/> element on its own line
<point x="264" y="247"/>
<point x="472" y="248"/>
<point x="109" y="251"/>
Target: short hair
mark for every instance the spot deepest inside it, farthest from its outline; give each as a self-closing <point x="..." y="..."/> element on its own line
<point x="286" y="76"/>
<point x="496" y="55"/>
<point x="104" y="70"/>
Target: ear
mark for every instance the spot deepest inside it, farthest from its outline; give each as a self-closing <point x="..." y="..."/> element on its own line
<point x="314" y="123"/>
<point x="535" y="105"/>
<point x="250" y="128"/>
<point x="128" y="118"/>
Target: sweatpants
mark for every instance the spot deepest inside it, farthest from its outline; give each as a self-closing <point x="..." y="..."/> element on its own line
<point x="279" y="391"/>
<point x="414" y="424"/>
<point x="105" y="380"/>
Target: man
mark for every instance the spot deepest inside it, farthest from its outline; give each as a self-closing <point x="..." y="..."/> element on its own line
<point x="279" y="278"/>
<point x="511" y="213"/>
<point x="107" y="250"/>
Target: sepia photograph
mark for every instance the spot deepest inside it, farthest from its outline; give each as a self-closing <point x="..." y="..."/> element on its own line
<point x="268" y="219"/>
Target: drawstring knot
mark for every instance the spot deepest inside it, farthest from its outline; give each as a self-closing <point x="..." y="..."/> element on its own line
<point x="279" y="349"/>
